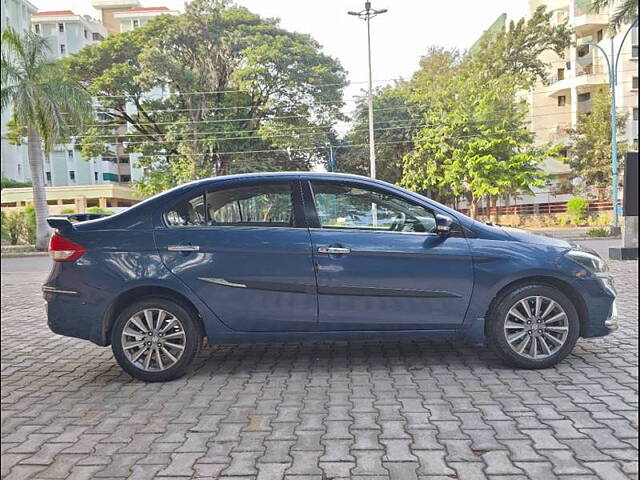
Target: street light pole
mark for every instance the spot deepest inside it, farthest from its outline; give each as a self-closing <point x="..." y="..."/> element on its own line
<point x="367" y="14"/>
<point x="612" y="67"/>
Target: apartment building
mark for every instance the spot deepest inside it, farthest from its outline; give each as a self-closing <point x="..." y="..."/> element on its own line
<point x="68" y="33"/>
<point x="14" y="163"/>
<point x="579" y="73"/>
<point x="137" y="17"/>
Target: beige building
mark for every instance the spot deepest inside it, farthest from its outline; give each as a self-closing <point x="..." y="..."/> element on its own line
<point x="580" y="73"/>
<point x="125" y="15"/>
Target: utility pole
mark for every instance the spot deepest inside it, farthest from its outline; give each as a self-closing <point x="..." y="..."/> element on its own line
<point x="613" y="62"/>
<point x="367" y="14"/>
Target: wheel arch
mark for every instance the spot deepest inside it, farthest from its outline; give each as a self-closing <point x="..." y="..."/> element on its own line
<point x="138" y="293"/>
<point x="554" y="282"/>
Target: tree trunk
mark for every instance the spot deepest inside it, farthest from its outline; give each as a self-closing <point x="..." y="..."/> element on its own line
<point x="36" y="164"/>
<point x="495" y="218"/>
<point x="473" y="207"/>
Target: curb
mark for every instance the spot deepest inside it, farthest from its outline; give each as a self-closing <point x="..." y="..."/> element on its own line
<point x="577" y="239"/>
<point x="24" y="254"/>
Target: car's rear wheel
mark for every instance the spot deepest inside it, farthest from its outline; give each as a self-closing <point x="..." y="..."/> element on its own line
<point x="155" y="339"/>
<point x="533" y="326"/>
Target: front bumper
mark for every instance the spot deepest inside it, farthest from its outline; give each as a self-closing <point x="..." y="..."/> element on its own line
<point x="612" y="322"/>
<point x="599" y="294"/>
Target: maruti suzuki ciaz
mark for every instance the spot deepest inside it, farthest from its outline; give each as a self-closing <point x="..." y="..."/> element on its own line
<point x="315" y="257"/>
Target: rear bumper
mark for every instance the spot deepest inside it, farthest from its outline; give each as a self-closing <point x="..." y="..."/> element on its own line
<point x="69" y="315"/>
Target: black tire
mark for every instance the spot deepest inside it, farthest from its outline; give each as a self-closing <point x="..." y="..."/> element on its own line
<point x="496" y="337"/>
<point x="192" y="342"/>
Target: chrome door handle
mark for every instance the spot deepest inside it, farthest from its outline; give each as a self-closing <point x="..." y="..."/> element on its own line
<point x="183" y="248"/>
<point x="334" y="250"/>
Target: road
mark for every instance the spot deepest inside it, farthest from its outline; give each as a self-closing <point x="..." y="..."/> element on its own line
<point x="39" y="264"/>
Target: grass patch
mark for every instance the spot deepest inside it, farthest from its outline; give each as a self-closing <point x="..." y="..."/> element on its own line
<point x="598" y="232"/>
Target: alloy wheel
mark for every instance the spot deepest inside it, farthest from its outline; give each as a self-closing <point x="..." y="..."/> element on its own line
<point x="153" y="340"/>
<point x="536" y="327"/>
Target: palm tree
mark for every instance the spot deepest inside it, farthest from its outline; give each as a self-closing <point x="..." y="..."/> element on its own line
<point x="625" y="11"/>
<point x="46" y="105"/>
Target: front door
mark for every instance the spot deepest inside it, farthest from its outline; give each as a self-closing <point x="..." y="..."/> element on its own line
<point x="245" y="251"/>
<point x="381" y="266"/>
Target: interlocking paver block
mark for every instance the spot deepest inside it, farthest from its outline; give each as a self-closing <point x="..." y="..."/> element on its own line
<point x="352" y="410"/>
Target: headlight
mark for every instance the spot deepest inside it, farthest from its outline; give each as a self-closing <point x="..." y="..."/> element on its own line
<point x="589" y="260"/>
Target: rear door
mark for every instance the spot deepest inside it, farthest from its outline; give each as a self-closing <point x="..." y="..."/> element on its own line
<point x="245" y="250"/>
<point x="380" y="265"/>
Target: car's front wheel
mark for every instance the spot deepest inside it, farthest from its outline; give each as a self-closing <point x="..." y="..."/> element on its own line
<point x="533" y="326"/>
<point x="155" y="339"/>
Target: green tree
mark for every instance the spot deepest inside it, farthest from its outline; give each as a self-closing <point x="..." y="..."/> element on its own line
<point x="46" y="103"/>
<point x="590" y="148"/>
<point x="517" y="48"/>
<point x="625" y="11"/>
<point x="209" y="86"/>
<point x="476" y="143"/>
<point x="395" y="123"/>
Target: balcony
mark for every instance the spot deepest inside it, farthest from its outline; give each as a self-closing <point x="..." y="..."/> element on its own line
<point x="560" y="133"/>
<point x="583" y="77"/>
<point x="584" y="19"/>
<point x="586" y="22"/>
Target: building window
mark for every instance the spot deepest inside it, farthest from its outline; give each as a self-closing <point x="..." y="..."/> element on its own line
<point x="634" y="83"/>
<point x="135" y="23"/>
<point x="583" y="50"/>
<point x="36" y="28"/>
<point x="636" y="114"/>
<point x="562" y="100"/>
<point x="63" y="49"/>
<point x="123" y="160"/>
<point x="70" y="154"/>
<point x="583" y="97"/>
<point x="561" y="74"/>
<point x="125" y="178"/>
<point x="634" y="51"/>
<point x="95" y="176"/>
<point x="600" y="35"/>
<point x="61" y="27"/>
<point x="86" y="34"/>
<point x="47" y="175"/>
<point x="72" y="175"/>
<point x="97" y="37"/>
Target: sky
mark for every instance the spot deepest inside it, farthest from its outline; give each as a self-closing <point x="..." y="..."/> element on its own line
<point x="399" y="37"/>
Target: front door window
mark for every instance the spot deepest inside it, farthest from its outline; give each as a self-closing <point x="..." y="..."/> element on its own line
<point x="346" y="207"/>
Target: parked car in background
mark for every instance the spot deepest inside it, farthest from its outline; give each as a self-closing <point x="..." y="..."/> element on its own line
<point x="315" y="257"/>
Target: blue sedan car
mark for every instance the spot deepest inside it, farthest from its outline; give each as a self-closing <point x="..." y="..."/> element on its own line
<point x="315" y="257"/>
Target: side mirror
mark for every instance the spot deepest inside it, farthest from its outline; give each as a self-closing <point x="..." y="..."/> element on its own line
<point x="443" y="224"/>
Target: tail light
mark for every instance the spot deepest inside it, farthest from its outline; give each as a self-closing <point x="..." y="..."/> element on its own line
<point x="62" y="249"/>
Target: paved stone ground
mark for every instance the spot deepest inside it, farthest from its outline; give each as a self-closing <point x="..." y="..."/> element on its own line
<point x="324" y="411"/>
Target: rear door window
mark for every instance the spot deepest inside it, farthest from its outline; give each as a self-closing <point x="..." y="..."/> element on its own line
<point x="266" y="205"/>
<point x="261" y="205"/>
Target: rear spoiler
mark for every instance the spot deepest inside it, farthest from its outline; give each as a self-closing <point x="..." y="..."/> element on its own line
<point x="60" y="223"/>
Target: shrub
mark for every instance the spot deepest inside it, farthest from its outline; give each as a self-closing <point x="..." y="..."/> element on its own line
<point x="30" y="224"/>
<point x="10" y="183"/>
<point x="67" y="211"/>
<point x="13" y="226"/>
<point x="598" y="232"/>
<point x="577" y="209"/>
<point x="99" y="210"/>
